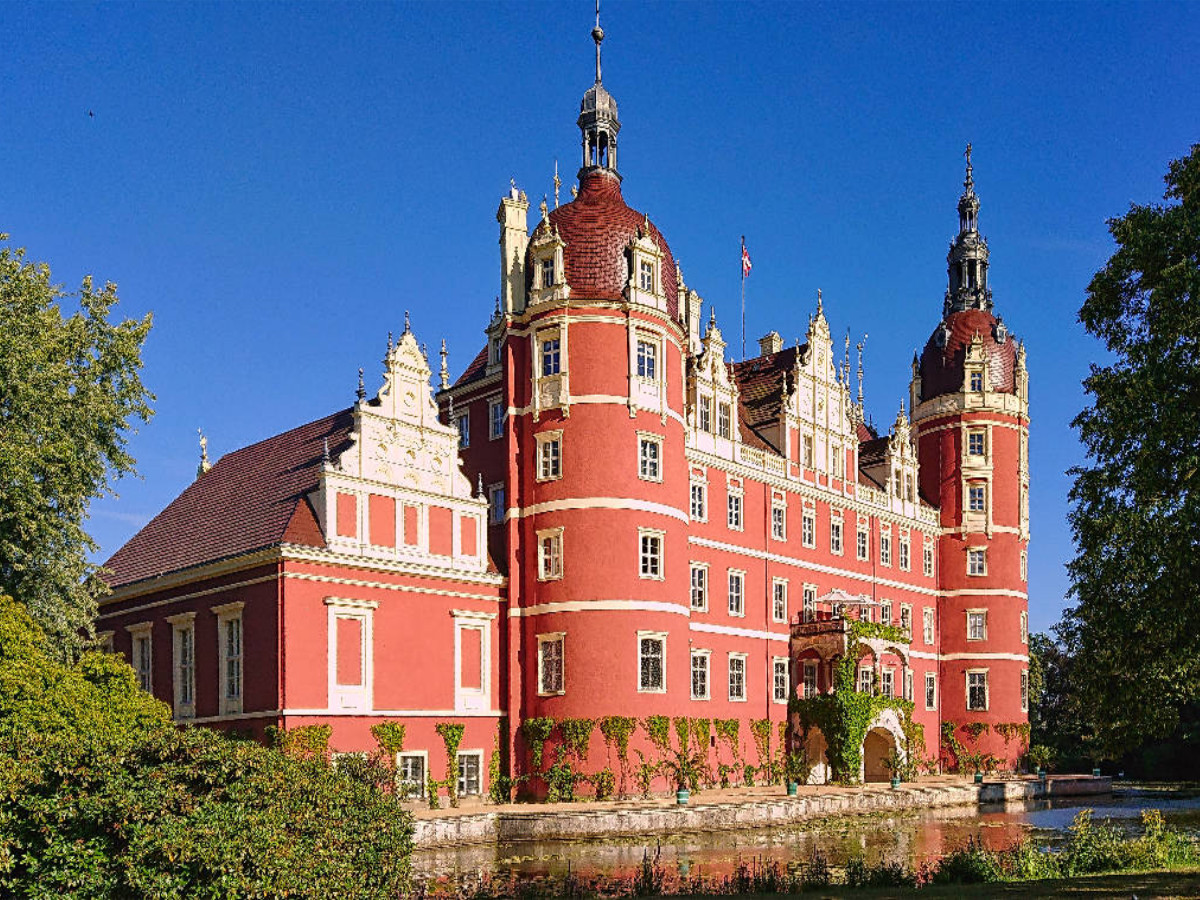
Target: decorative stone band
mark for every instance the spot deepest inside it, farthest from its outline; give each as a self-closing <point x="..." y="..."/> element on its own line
<point x="1011" y="657"/>
<point x="738" y="632"/>
<point x="584" y="399"/>
<point x="572" y="606"/>
<point x="623" y="503"/>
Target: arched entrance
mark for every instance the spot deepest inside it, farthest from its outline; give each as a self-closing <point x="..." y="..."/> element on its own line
<point x="884" y="736"/>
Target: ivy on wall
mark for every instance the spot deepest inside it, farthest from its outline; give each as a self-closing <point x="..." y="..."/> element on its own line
<point x="617" y="731"/>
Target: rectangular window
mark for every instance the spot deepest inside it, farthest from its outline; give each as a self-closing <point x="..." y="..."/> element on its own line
<point x="463" y="423"/>
<point x="778" y="522"/>
<point x="652" y="657"/>
<point x="808" y="528"/>
<point x="550" y="554"/>
<point x="1024" y="692"/>
<point x="927" y="625"/>
<point x="810" y="678"/>
<point x="470" y="773"/>
<point x="737" y="676"/>
<point x="699" y="588"/>
<point x="495" y="420"/>
<point x="928" y="553"/>
<point x="142" y="650"/>
<point x="185" y="669"/>
<point x="779" y="600"/>
<point x="908" y="685"/>
<point x="496" y="508"/>
<point x="906" y="617"/>
<point x="837" y="460"/>
<point x="865" y="613"/>
<point x="889" y="683"/>
<point x="650" y="554"/>
<point x="735" y="511"/>
<point x="885" y="548"/>
<point x="699" y="506"/>
<point x="975" y="443"/>
<point x="977" y="691"/>
<point x="975" y="498"/>
<point x="705" y="413"/>
<point x="885" y="614"/>
<point x="548" y="272"/>
<point x="904" y="554"/>
<point x="231" y="633"/>
<point x="977" y="381"/>
<point x="550" y="663"/>
<point x="908" y="487"/>
<point x="930" y="690"/>
<point x="810" y="602"/>
<point x="700" y="674"/>
<point x="410" y="767"/>
<point x="647" y="360"/>
<point x="864" y="543"/>
<point x="551" y="357"/>
<point x="779" y="679"/>
<point x="723" y="420"/>
<point x="976" y="625"/>
<point x="650" y="458"/>
<point x="976" y="561"/>
<point x="808" y="451"/>
<point x="866" y="681"/>
<point x="736" y="594"/>
<point x="835" y="535"/>
<point x="646" y="275"/>
<point x="549" y="456"/>
<point x="1024" y="565"/>
<point x="1024" y="628"/>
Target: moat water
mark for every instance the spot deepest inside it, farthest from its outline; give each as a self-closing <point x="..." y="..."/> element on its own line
<point x="912" y="838"/>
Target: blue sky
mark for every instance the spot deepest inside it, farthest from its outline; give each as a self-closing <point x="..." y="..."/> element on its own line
<point x="278" y="183"/>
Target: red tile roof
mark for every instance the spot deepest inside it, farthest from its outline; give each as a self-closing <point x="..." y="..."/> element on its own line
<point x="762" y="383"/>
<point x="597" y="226"/>
<point x="942" y="367"/>
<point x="251" y="499"/>
<point x="476" y="369"/>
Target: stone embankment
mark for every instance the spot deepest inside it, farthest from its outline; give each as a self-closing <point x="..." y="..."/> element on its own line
<point x="762" y="807"/>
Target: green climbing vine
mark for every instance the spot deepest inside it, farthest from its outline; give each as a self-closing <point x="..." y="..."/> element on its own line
<point x="452" y="735"/>
<point x="658" y="729"/>
<point x="536" y="732"/>
<point x="617" y="731"/>
<point x="390" y="737"/>
<point x="577" y="737"/>
<point x="761" y="730"/>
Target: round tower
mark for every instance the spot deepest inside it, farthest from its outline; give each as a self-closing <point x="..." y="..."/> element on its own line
<point x="598" y="474"/>
<point x="970" y="407"/>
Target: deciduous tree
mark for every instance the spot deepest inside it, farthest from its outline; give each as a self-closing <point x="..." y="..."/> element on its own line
<point x="69" y="390"/>
<point x="1134" y="632"/>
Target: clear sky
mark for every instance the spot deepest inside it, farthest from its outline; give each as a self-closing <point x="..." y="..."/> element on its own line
<point x="277" y="183"/>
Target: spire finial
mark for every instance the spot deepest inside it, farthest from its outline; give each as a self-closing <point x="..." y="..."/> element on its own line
<point x="820" y="303"/>
<point x="969" y="183"/>
<point x="325" y="452"/>
<point x="479" y="485"/>
<point x="205" y="465"/>
<point x="597" y="36"/>
<point x="544" y="209"/>
<point x="407" y="324"/>
<point x="361" y="393"/>
<point x="391" y="343"/>
<point x="860" y="370"/>
<point x="557" y="184"/>
<point x="445" y="371"/>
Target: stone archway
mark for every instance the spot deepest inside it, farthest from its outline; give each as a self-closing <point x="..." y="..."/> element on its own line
<point x="884" y="736"/>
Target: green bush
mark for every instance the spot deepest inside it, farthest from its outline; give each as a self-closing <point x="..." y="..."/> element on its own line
<point x="972" y="864"/>
<point x="101" y="796"/>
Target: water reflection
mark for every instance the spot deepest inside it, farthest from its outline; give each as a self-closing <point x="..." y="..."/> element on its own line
<point x="911" y="838"/>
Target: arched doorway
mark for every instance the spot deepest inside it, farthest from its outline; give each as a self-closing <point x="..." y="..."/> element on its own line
<point x="877" y="747"/>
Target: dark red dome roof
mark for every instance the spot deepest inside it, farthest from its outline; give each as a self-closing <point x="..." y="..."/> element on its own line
<point x="942" y="367"/>
<point x="597" y="226"/>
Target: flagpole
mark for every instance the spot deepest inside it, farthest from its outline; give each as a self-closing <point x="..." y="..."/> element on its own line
<point x="742" y="265"/>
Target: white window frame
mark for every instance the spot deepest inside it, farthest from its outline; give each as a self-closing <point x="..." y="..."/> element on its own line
<point x="553" y="637"/>
<point x="906" y="617"/>
<point x="735" y="510"/>
<point x="704" y="413"/>
<point x="724" y="420"/>
<point x="779" y="519"/>
<point x="837" y="531"/>
<point x="661" y="638"/>
<point x="473" y="699"/>
<point x="975" y="381"/>
<point x="887" y="681"/>
<point x="652" y="554"/>
<point x="648" y="359"/>
<point x="462" y="774"/>
<point x="927" y="557"/>
<point x="981" y="434"/>
<point x="980" y="616"/>
<point x="650" y="456"/>
<point x="706" y="657"/>
<point x="808" y="527"/>
<point x="698" y="586"/>
<point x="740" y="658"/>
<point x="808" y="603"/>
<point x="462" y="424"/>
<point x="908" y="684"/>
<point x="977" y="497"/>
<point x="497" y="413"/>
<point x="986" y="690"/>
<point x="548" y="467"/>
<point x="418" y="792"/>
<point x="930" y="690"/>
<point x="810" y="665"/>
<point x="1024" y="628"/>
<point x="698" y="500"/>
<point x="353" y="697"/>
<point x="905" y="553"/>
<point x="976" y="561"/>
<point x="737" y="576"/>
<point x="885" y="612"/>
<point x="646" y="277"/>
<point x="866" y="680"/>
<point x="1024" y="690"/>
<point x="228" y="613"/>
<point x="885" y="547"/>
<point x="550" y="356"/>
<point x="144" y="667"/>
<point x="863" y="545"/>
<point x="928" y="626"/>
<point x="779" y="591"/>
<point x="550" y="567"/>
<point x="778" y="696"/>
<point x="183" y="633"/>
<point x="807" y="455"/>
<point x="1024" y="565"/>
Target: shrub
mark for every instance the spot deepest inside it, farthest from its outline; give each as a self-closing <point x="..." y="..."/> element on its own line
<point x="1093" y="847"/>
<point x="605" y="782"/>
<point x="972" y="864"/>
<point x="389" y="736"/>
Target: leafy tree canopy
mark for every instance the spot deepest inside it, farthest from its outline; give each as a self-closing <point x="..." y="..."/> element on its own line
<point x="101" y="796"/>
<point x="69" y="386"/>
<point x="1134" y="632"/>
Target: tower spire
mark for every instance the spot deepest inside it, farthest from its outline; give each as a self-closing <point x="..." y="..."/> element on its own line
<point x="598" y="119"/>
<point x="597" y="36"/>
<point x="967" y="261"/>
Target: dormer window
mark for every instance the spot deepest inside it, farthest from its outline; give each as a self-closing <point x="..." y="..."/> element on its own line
<point x="548" y="272"/>
<point x="705" y="413"/>
<point x="646" y="275"/>
<point x="723" y="420"/>
<point x="977" y="381"/>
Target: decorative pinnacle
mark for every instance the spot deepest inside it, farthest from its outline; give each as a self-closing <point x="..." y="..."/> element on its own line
<point x="860" y="370"/>
<point x="557" y="184"/>
<point x="325" y="452"/>
<point x="407" y="324"/>
<point x="445" y="372"/>
<point x="390" y="343"/>
<point x="479" y="485"/>
<point x="597" y="36"/>
<point x="361" y="393"/>
<point x="969" y="183"/>
<point x="820" y="304"/>
<point x="205" y="465"/>
<point x="544" y="209"/>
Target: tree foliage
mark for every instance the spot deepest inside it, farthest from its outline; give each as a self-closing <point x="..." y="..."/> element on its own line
<point x="69" y="387"/>
<point x="101" y="796"/>
<point x="1134" y="633"/>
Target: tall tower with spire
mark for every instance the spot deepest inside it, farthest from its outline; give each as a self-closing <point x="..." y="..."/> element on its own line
<point x="598" y="119"/>
<point x="970" y="399"/>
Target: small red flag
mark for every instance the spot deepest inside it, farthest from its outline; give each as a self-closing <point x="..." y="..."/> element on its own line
<point x="745" y="260"/>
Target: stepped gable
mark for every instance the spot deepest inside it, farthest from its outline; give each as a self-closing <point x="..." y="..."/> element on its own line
<point x="942" y="367"/>
<point x="251" y="499"/>
<point x="597" y="227"/>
